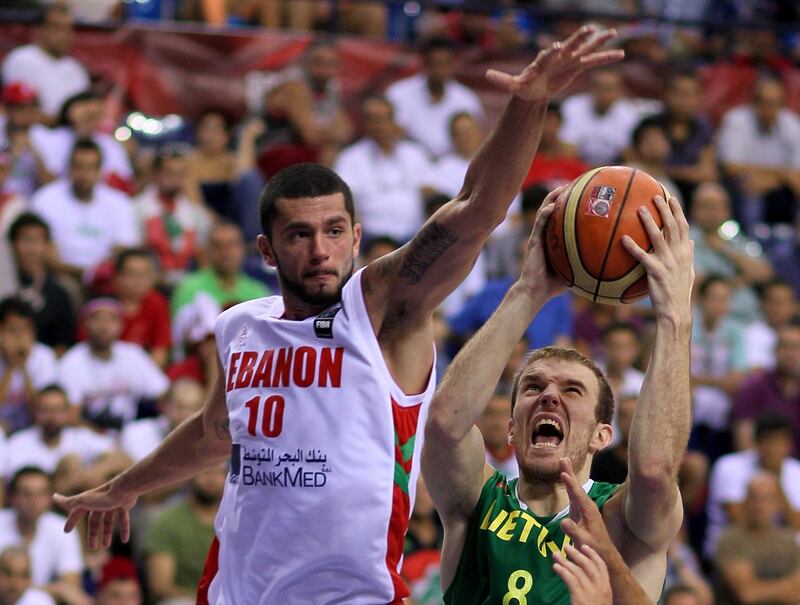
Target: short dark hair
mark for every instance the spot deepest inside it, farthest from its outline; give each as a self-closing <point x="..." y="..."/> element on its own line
<point x="604" y="410"/>
<point x="132" y="253"/>
<point x="555" y="108"/>
<point x="436" y="43"/>
<point x="380" y="240"/>
<point x="84" y="95"/>
<point x="620" y="326"/>
<point x="459" y="115"/>
<point x="682" y="73"/>
<point x="642" y="127"/>
<point x="678" y="589"/>
<point x="25" y="471"/>
<point x="533" y="198"/>
<point x="775" y="282"/>
<point x="710" y="280"/>
<point x="53" y="387"/>
<point x="771" y="423"/>
<point x="24" y="221"/>
<point x="49" y="9"/>
<point x="14" y="305"/>
<point x="434" y="201"/>
<point x="227" y="119"/>
<point x="85" y="145"/>
<point x="299" y="181"/>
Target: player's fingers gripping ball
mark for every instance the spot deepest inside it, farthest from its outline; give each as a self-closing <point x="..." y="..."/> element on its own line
<point x="583" y="238"/>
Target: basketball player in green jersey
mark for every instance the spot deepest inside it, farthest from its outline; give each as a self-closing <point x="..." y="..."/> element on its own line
<point x="501" y="535"/>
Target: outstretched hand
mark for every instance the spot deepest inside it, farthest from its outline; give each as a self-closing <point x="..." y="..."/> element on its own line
<point x="670" y="266"/>
<point x="558" y="65"/>
<point x="535" y="275"/>
<point x="104" y="506"/>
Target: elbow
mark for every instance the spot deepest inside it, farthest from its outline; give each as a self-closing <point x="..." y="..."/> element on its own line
<point x="654" y="474"/>
<point x="443" y="427"/>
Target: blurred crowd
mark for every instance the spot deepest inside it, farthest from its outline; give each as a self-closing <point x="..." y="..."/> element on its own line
<point x="117" y="255"/>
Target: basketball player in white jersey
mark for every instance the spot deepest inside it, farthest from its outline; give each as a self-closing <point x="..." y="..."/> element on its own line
<point x="322" y="391"/>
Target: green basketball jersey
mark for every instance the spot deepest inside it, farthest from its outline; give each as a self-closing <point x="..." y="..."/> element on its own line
<point x="508" y="551"/>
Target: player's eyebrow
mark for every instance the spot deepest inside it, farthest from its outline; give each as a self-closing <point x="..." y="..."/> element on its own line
<point x="301" y="224"/>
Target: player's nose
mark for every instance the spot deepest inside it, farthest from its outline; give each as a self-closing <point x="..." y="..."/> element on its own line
<point x="319" y="247"/>
<point x="550" y="396"/>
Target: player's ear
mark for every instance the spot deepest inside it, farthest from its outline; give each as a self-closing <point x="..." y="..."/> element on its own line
<point x="511" y="435"/>
<point x="265" y="249"/>
<point x="356" y="239"/>
<point x="603" y="434"/>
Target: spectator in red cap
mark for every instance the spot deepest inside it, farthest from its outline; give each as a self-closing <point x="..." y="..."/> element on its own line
<point x="21" y="134"/>
<point x="45" y="65"/>
<point x="119" y="584"/>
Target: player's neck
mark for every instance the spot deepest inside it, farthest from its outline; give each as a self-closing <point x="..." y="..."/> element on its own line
<point x="546" y="498"/>
<point x="295" y="309"/>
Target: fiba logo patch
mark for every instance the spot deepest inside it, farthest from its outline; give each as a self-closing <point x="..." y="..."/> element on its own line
<point x="600" y="200"/>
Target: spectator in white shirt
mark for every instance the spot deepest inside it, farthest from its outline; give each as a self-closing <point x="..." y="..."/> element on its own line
<point x="386" y="175"/>
<point x="83" y="457"/>
<point x="89" y="221"/>
<point x="105" y="376"/>
<point x="174" y="227"/>
<point x="15" y="580"/>
<point x="599" y="123"/>
<point x="46" y="65"/>
<point x="25" y="365"/>
<point x="759" y="146"/>
<point x="731" y="474"/>
<point x="779" y="308"/>
<point x="80" y="118"/>
<point x="425" y="103"/>
<point x="140" y="437"/>
<point x="56" y="557"/>
<point x="449" y="171"/>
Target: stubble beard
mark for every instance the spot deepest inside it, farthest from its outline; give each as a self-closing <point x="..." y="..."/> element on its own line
<point x="319" y="298"/>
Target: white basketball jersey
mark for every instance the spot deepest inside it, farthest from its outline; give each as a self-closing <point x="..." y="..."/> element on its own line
<point x="325" y="459"/>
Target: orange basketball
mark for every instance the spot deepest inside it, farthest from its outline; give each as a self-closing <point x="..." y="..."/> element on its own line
<point x="584" y="234"/>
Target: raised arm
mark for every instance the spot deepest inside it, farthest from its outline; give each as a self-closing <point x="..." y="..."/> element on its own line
<point x="413" y="280"/>
<point x="453" y="459"/>
<point x="660" y="429"/>
<point x="200" y="442"/>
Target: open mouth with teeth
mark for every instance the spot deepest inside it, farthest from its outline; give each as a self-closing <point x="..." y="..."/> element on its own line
<point x="547" y="433"/>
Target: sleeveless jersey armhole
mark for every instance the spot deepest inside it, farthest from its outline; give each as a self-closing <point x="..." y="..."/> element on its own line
<point x="355" y="307"/>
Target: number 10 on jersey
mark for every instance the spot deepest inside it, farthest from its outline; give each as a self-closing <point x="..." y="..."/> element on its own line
<point x="270" y="409"/>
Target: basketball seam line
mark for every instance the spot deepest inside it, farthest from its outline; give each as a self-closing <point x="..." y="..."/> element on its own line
<point x="575" y="228"/>
<point x="613" y="233"/>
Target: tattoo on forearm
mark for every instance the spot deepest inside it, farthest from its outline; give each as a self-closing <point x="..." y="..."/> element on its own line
<point x="428" y="245"/>
<point x="222" y="429"/>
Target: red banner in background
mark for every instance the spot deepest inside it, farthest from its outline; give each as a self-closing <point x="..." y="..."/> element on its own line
<point x="173" y="69"/>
